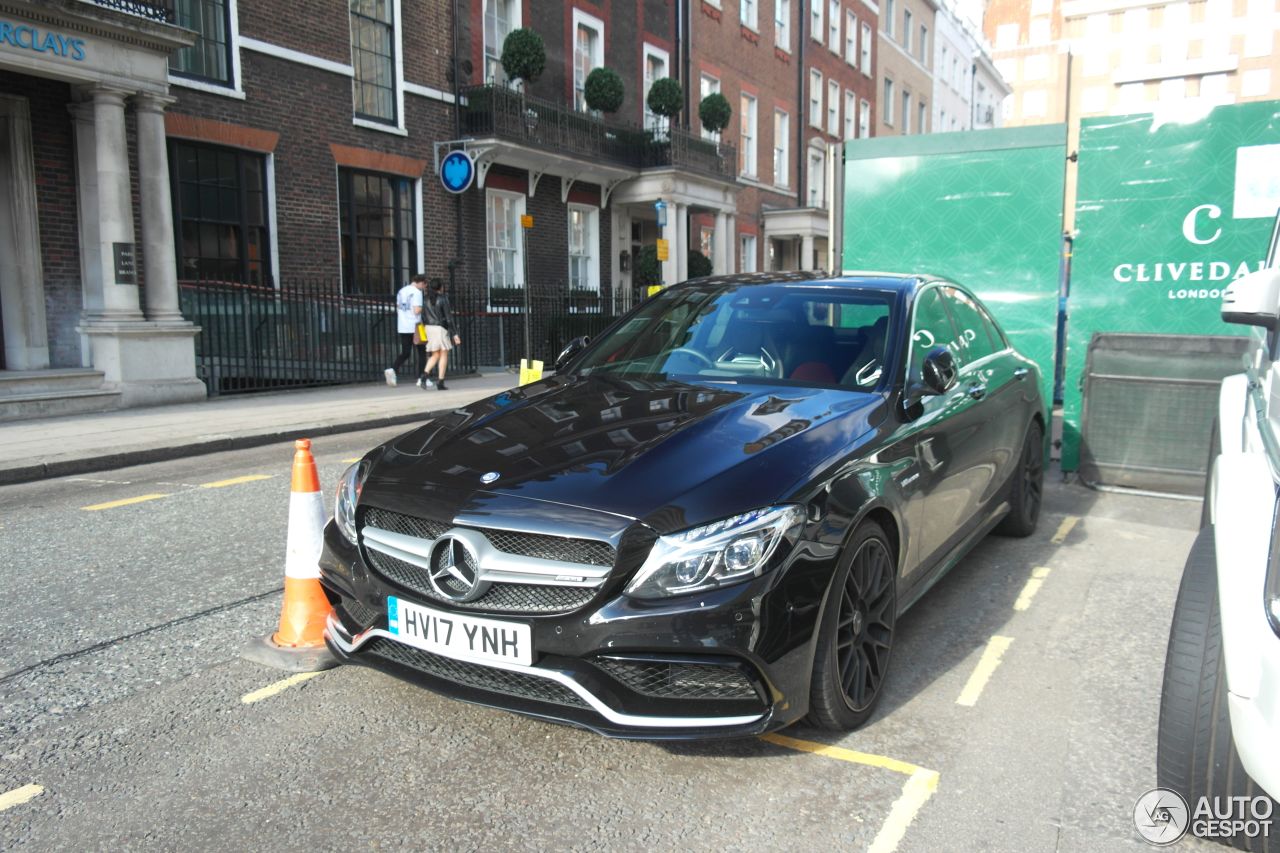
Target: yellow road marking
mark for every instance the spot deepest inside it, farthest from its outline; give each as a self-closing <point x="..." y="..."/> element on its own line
<point x="272" y="689"/>
<point x="1064" y="528"/>
<point x="842" y="754"/>
<point x="353" y="459"/>
<point x="1033" y="585"/>
<point x="996" y="647"/>
<point x="124" y="502"/>
<point x="248" y="478"/>
<point x="915" y="794"/>
<point x="18" y="796"/>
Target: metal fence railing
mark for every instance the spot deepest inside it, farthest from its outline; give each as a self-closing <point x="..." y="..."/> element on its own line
<point x="154" y="10"/>
<point x="307" y="333"/>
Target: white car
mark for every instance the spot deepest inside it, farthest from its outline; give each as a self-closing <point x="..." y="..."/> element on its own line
<point x="1220" y="705"/>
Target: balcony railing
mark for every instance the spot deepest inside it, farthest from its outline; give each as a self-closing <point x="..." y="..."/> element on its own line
<point x="505" y="113"/>
<point x="152" y="10"/>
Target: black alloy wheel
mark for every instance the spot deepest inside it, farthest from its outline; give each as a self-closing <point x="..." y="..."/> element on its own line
<point x="1027" y="487"/>
<point x="856" y="635"/>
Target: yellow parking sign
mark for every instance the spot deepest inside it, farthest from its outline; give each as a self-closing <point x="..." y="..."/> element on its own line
<point x="526" y="220"/>
<point x="663" y="251"/>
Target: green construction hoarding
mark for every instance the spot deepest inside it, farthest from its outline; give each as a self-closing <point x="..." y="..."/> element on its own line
<point x="983" y="209"/>
<point x="1167" y="214"/>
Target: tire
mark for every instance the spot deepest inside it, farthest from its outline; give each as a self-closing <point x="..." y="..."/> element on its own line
<point x="1195" y="754"/>
<point x="1026" y="487"/>
<point x="855" y="650"/>
<point x="1206" y="514"/>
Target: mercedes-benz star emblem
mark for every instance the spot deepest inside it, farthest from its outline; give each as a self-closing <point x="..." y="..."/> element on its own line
<point x="490" y="477"/>
<point x="455" y="571"/>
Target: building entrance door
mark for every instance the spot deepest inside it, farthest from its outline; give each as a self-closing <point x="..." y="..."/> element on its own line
<point x="24" y="336"/>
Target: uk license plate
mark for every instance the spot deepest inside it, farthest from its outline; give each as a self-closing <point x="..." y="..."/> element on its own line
<point x="457" y="636"/>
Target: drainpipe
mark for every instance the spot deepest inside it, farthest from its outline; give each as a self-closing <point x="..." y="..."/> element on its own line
<point x="457" y="134"/>
<point x="684" y="47"/>
<point x="802" y="161"/>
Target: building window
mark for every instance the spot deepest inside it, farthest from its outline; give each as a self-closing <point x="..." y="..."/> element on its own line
<point x="906" y="113"/>
<point x="865" y="66"/>
<point x="889" y="13"/>
<point x="655" y="68"/>
<point x="782" y="24"/>
<point x="924" y="45"/>
<point x="502" y="224"/>
<point x="210" y="57"/>
<point x="781" y="143"/>
<point x="747" y="253"/>
<point x="850" y="114"/>
<point x="815" y="20"/>
<point x="864" y="119"/>
<point x="373" y="58"/>
<point x="833" y="24"/>
<point x="817" y="177"/>
<point x="886" y="105"/>
<point x="747" y="118"/>
<point x="851" y="39"/>
<point x="707" y="241"/>
<point x="377" y="228"/>
<point x="815" y="97"/>
<point x="748" y="14"/>
<point x="708" y="85"/>
<point x="833" y="107"/>
<point x="584" y="243"/>
<point x="220" y="213"/>
<point x="922" y="117"/>
<point x="906" y="29"/>
<point x="588" y="53"/>
<point x="500" y="18"/>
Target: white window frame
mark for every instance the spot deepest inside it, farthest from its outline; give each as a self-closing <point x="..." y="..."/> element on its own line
<point x="864" y="119"/>
<point x="815" y="98"/>
<point x="386" y="127"/>
<point x="864" y="56"/>
<point x="651" y="120"/>
<point x="924" y="45"/>
<point x="781" y="148"/>
<point x="833" y="107"/>
<point x="887" y="96"/>
<point x="906" y="111"/>
<point x="703" y="91"/>
<point x="782" y="24"/>
<point x="515" y="22"/>
<point x="850" y="114"/>
<point x="817" y="29"/>
<point x="747" y="253"/>
<point x="518" y="201"/>
<point x="749" y="135"/>
<point x="922" y="116"/>
<point x="592" y="254"/>
<point x="850" y="38"/>
<point x="234" y="89"/>
<point x="833" y="25"/>
<point x="907" y="20"/>
<point x="582" y="19"/>
<point x="817" y="166"/>
<point x="890" y="24"/>
<point x="749" y="14"/>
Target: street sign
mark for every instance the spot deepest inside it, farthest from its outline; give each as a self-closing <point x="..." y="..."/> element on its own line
<point x="526" y="221"/>
<point x="663" y="252"/>
<point x="457" y="171"/>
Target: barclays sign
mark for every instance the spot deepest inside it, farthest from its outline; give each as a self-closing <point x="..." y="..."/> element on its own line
<point x="30" y="38"/>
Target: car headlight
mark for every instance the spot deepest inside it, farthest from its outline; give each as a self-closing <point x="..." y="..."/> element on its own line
<point x="344" y="506"/>
<point x="716" y="554"/>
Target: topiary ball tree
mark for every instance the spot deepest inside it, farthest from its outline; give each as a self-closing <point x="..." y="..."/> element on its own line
<point x="524" y="57"/>
<point x="665" y="97"/>
<point x="648" y="269"/>
<point x="603" y="90"/>
<point x="699" y="264"/>
<point x="715" y="112"/>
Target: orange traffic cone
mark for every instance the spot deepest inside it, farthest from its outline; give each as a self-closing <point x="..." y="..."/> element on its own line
<point x="298" y="645"/>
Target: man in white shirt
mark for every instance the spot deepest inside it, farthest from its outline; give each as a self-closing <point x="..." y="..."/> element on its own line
<point x="408" y="310"/>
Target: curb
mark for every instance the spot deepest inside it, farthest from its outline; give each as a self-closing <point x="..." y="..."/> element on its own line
<point x="143" y="456"/>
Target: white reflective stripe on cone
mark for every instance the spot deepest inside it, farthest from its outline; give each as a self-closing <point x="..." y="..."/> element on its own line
<point x="306" y="535"/>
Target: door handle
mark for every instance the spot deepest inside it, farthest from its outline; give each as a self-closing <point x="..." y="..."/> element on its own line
<point x="1020" y="373"/>
<point x="977" y="392"/>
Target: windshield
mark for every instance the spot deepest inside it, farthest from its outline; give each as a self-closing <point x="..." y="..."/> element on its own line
<point x="814" y="335"/>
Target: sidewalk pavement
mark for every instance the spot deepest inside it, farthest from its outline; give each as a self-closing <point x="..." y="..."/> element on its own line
<point x="77" y="444"/>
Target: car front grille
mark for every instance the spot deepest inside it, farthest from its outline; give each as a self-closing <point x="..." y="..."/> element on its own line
<point x="679" y="680"/>
<point x="504" y="597"/>
<point x="475" y="675"/>
<point x="358" y="611"/>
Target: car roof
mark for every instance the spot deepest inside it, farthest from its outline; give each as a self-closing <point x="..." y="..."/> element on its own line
<point x="905" y="283"/>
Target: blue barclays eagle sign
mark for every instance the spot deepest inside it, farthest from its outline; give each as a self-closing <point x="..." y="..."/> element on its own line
<point x="30" y="38"/>
<point x="457" y="171"/>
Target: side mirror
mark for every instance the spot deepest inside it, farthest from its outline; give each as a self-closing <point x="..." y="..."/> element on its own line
<point x="567" y="355"/>
<point x="937" y="376"/>
<point x="1253" y="300"/>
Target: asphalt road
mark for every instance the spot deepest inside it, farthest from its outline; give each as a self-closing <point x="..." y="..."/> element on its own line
<point x="1018" y="717"/>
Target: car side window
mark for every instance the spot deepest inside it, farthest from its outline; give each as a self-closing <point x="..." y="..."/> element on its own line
<point x="931" y="328"/>
<point x="973" y="340"/>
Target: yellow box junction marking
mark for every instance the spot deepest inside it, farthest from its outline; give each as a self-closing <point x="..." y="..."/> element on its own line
<point x="920" y="785"/>
<point x="18" y="796"/>
<point x="272" y="689"/>
<point x="124" y="502"/>
<point x="996" y="647"/>
<point x="1038" y="574"/>
<point x="1064" y="528"/>
<point x="235" y="481"/>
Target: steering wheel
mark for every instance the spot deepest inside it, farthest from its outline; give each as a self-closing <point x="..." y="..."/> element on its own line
<point x="697" y="355"/>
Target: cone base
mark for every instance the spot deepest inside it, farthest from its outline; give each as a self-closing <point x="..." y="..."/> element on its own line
<point x="289" y="658"/>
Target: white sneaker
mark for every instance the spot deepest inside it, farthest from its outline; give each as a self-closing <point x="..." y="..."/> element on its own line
<point x="390" y="373"/>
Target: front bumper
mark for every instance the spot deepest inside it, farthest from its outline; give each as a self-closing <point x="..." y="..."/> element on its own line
<point x="734" y="662"/>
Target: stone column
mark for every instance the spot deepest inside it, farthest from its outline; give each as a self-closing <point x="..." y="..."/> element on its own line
<point x="806" y="252"/>
<point x="160" y="272"/>
<point x="730" y="244"/>
<point x="670" y="269"/>
<point x="682" y="238"/>
<point x="722" y="250"/>
<point x="115" y="202"/>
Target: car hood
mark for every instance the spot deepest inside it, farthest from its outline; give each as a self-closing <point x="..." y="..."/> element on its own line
<point x="672" y="454"/>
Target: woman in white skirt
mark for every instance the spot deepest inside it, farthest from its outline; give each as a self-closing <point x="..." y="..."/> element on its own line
<point x="438" y="319"/>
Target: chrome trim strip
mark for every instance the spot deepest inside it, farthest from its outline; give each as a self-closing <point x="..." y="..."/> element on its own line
<point x="494" y="566"/>
<point x="336" y="634"/>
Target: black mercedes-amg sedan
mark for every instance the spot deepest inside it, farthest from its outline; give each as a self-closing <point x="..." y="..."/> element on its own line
<point x="708" y="521"/>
